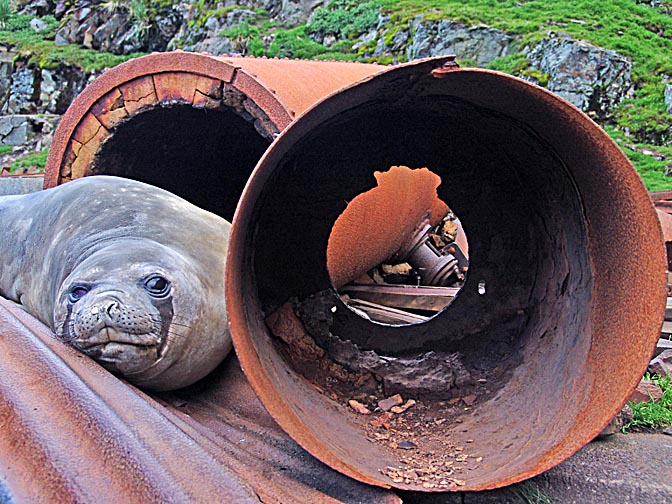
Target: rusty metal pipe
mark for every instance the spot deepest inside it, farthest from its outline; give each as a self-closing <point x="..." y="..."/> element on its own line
<point x="552" y="308"/>
<point x="191" y="123"/>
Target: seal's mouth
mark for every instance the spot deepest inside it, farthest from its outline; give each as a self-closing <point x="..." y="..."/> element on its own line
<point x="122" y="351"/>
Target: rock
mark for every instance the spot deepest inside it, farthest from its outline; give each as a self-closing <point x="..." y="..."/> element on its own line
<point x="23" y="91"/>
<point x="668" y="98"/>
<point x="390" y="402"/>
<point x="590" y="77"/>
<point x="407" y="445"/>
<point x="645" y="392"/>
<point x="359" y="407"/>
<point x="212" y="42"/>
<point x="37" y="24"/>
<point x="480" y="44"/>
<point x="293" y="12"/>
<point x="662" y="364"/>
<point x="624" y="416"/>
<point x="13" y="129"/>
<point x="401" y="409"/>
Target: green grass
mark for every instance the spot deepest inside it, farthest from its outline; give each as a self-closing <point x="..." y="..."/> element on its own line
<point x="651" y="170"/>
<point x="5" y="149"/>
<point x="528" y="492"/>
<point x="652" y="415"/>
<point x="32" y="159"/>
<point x="39" y="48"/>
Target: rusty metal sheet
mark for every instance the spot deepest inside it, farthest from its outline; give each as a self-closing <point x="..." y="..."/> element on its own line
<point x="551" y="305"/>
<point x="286" y="88"/>
<point x="388" y="213"/>
<point x="280" y="88"/>
<point x="72" y="432"/>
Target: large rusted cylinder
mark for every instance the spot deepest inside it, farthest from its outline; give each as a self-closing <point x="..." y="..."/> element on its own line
<point x="191" y="123"/>
<point x="557" y="315"/>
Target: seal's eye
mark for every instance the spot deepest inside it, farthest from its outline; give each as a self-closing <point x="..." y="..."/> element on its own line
<point x="157" y="286"/>
<point x="76" y="293"/>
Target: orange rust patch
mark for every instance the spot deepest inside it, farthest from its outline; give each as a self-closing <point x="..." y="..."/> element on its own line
<point x="375" y="223"/>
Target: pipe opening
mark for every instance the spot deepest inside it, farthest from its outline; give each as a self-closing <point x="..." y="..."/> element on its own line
<point x="397" y="254"/>
<point x="202" y="155"/>
<point x="504" y="382"/>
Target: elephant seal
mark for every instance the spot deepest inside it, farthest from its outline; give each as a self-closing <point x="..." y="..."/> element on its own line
<point x="125" y="272"/>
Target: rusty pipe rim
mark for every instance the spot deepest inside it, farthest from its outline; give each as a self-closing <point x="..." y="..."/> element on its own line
<point x="546" y="198"/>
<point x="191" y="123"/>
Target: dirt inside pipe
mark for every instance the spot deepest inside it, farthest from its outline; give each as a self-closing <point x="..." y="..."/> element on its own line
<point x="202" y="155"/>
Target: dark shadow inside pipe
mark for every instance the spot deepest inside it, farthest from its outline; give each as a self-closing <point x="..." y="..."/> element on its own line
<point x="526" y="226"/>
<point x="204" y="156"/>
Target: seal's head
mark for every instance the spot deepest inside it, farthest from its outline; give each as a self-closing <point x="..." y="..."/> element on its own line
<point x="139" y="308"/>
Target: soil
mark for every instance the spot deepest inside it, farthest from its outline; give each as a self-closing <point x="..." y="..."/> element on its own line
<point x="424" y="433"/>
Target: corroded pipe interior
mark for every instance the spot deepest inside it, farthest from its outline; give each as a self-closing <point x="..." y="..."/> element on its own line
<point x="547" y="305"/>
<point x="205" y="156"/>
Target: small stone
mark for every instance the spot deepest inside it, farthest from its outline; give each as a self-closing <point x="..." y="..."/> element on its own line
<point x="469" y="400"/>
<point x="359" y="407"/>
<point x="382" y="421"/>
<point x="407" y="445"/>
<point x="662" y="365"/>
<point x="390" y="402"/>
<point x="645" y="392"/>
<point x="622" y="417"/>
<point x="400" y="409"/>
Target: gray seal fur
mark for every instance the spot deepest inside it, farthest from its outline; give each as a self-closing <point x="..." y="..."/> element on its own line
<point x="125" y="272"/>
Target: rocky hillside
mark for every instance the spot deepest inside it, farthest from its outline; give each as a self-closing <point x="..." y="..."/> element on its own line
<point x="611" y="58"/>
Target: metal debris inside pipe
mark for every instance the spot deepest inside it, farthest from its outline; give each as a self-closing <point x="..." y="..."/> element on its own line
<point x="397" y="253"/>
<point x="551" y="331"/>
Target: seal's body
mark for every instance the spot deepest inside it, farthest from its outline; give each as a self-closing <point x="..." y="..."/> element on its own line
<point x="126" y="272"/>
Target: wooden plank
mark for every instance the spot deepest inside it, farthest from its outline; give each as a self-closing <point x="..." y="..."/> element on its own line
<point x="664" y="344"/>
<point x="385" y="314"/>
<point x="400" y="296"/>
<point x="667" y="327"/>
<point x="668" y="309"/>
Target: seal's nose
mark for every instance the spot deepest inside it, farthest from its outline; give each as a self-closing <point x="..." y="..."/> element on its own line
<point x="110" y="307"/>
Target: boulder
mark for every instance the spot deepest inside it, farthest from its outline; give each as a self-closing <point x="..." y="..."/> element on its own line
<point x="293" y="12"/>
<point x="592" y="78"/>
<point x="668" y="98"/>
<point x="662" y="365"/>
<point x="33" y="90"/>
<point x="23" y="91"/>
<point x="209" y="38"/>
<point x="480" y="44"/>
<point x="13" y="129"/>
